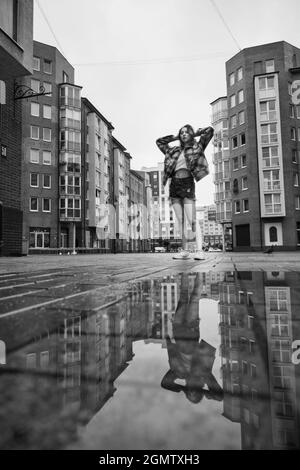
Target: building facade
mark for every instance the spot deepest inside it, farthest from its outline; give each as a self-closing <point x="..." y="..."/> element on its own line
<point x="51" y="163"/>
<point x="222" y="175"/>
<point x="264" y="140"/>
<point x="16" y="45"/>
<point x="97" y="218"/>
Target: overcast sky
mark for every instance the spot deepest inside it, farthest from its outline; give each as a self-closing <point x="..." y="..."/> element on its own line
<point x="151" y="66"/>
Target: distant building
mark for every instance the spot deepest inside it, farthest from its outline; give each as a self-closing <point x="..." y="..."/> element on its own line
<point x="16" y="44"/>
<point x="121" y="160"/>
<point x="211" y="230"/>
<point x="97" y="217"/>
<point x="165" y="229"/>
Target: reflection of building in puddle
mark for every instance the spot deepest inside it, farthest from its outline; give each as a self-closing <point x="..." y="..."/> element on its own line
<point x="258" y="377"/>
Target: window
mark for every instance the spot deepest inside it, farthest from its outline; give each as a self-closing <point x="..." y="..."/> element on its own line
<point x="272" y="203"/>
<point x="270" y="66"/>
<point x="240" y="74"/>
<point x="233" y="121"/>
<point x="298" y="111"/>
<point x="266" y="83"/>
<point x="34" y="180"/>
<point x="33" y="204"/>
<point x="244" y="183"/>
<point x="253" y="370"/>
<point x="235" y="161"/>
<point x="46" y="157"/>
<point x="47" y="111"/>
<point x="34" y="109"/>
<point x="232" y="101"/>
<point x="47" y="181"/>
<point x="241" y="96"/>
<point x="293" y="133"/>
<point x="36" y="64"/>
<point x="70" y="207"/>
<point x="237" y="207"/>
<point x="231" y="79"/>
<point x="273" y="234"/>
<point x="48" y="88"/>
<point x="297" y="203"/>
<point x="65" y="77"/>
<point x="34" y="156"/>
<point x="39" y="237"/>
<point x="243" y="161"/>
<point x="34" y="132"/>
<point x="292" y="110"/>
<point x="245" y="205"/>
<point x="294" y="156"/>
<point x="298" y="232"/>
<point x="241" y="117"/>
<point x="243" y="139"/>
<point x="271" y="180"/>
<point x="234" y="142"/>
<point x="35" y="85"/>
<point x="46" y="134"/>
<point x="47" y="66"/>
<point x="267" y="110"/>
<point x="296" y="179"/>
<point x="46" y="204"/>
<point x="269" y="134"/>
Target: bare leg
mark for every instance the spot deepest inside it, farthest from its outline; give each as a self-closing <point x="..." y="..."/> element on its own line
<point x="179" y="214"/>
<point x="190" y="214"/>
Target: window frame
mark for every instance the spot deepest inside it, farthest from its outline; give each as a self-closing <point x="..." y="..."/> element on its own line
<point x="49" y="176"/>
<point x="31" y="128"/>
<point x="37" y="204"/>
<point x="43" y="202"/>
<point x="37" y="179"/>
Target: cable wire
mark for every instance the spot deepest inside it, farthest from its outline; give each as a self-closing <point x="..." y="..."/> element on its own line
<point x="49" y="25"/>
<point x="161" y="60"/>
<point x="225" y="24"/>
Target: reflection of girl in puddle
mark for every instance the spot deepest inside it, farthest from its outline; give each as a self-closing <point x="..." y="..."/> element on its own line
<point x="190" y="360"/>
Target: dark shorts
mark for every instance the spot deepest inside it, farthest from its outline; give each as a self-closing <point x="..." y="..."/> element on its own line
<point x="182" y="188"/>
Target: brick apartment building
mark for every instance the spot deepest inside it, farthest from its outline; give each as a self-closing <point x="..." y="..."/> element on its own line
<point x="263" y="137"/>
<point x="51" y="173"/>
<point x="16" y="43"/>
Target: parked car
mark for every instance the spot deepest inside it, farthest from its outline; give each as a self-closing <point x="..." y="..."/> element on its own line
<point x="160" y="249"/>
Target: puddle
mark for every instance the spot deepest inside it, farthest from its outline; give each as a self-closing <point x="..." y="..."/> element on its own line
<point x="190" y="361"/>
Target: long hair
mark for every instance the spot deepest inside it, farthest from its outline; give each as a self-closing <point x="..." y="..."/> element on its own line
<point x="190" y="130"/>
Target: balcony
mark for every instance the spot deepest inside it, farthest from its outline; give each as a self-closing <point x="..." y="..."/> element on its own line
<point x="223" y="217"/>
<point x="70" y="123"/>
<point x="219" y="115"/>
<point x="70" y="146"/>
<point x="271" y="185"/>
<point x="72" y="102"/>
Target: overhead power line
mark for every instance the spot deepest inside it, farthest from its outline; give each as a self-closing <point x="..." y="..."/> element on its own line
<point x="50" y="27"/>
<point x="158" y="60"/>
<point x="225" y="24"/>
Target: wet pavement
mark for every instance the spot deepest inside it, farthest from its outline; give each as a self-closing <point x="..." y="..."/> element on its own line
<point x="137" y="352"/>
